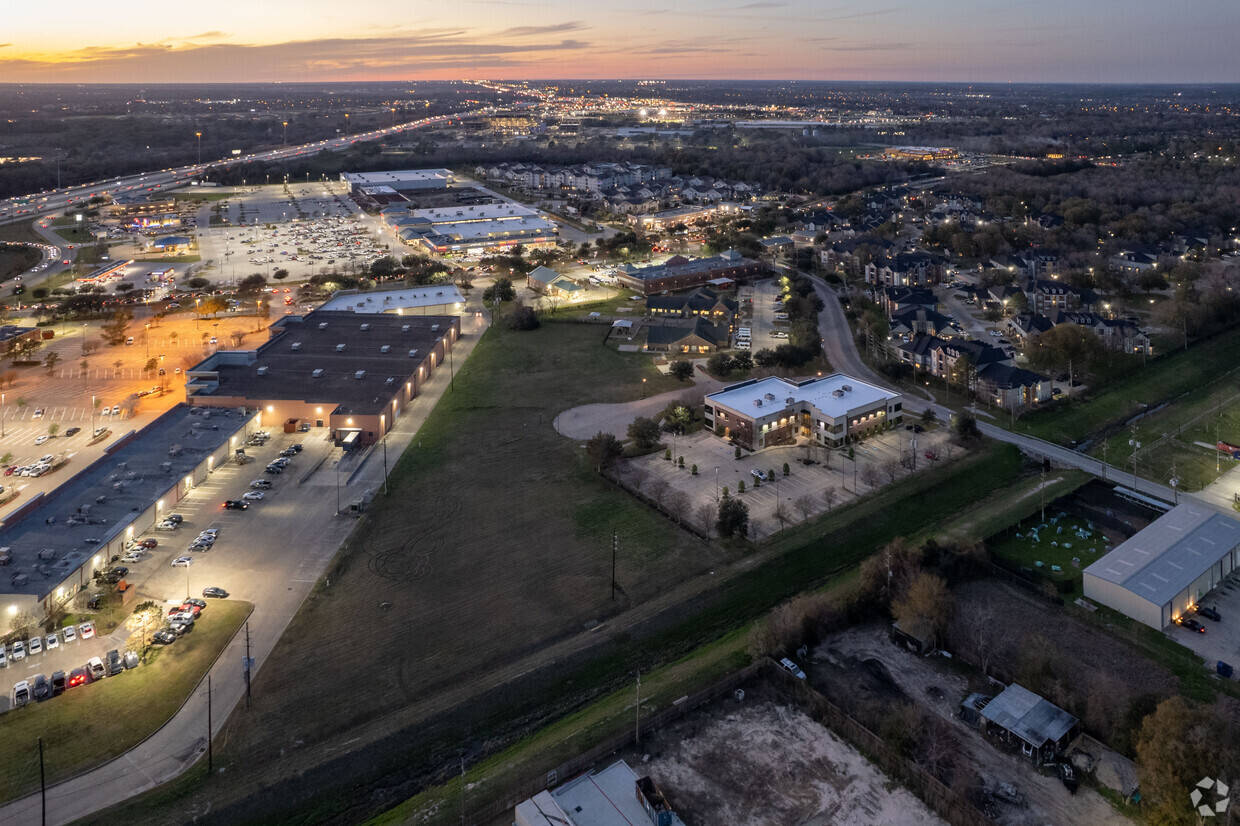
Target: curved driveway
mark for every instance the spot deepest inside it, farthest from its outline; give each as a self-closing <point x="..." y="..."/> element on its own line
<point x="585" y="421"/>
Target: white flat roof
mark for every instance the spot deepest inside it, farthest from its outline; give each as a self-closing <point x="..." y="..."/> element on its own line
<point x="1170" y="553"/>
<point x="423" y="176"/>
<point x="493" y="229"/>
<point x="391" y="301"/>
<point x="606" y="798"/>
<point x="477" y="212"/>
<point x="834" y="395"/>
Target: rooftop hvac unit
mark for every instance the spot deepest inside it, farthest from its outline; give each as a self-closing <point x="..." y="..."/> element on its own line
<point x="262" y="371"/>
<point x="385" y="348"/>
<point x="365" y="326"/>
<point x="847" y="388"/>
<point x="434" y="328"/>
<point x="322" y="325"/>
<point x="360" y="374"/>
<point x="296" y="346"/>
<point x="757" y="402"/>
<point x="770" y="397"/>
<point x="339" y="348"/>
<point x="318" y="373"/>
<point x="789" y="400"/>
<point x="412" y="353"/>
<point x="837" y="393"/>
<point x="404" y="328"/>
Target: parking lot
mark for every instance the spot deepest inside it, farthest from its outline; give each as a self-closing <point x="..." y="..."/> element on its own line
<point x="761" y="300"/>
<point x="230" y="563"/>
<point x="1221" y="640"/>
<point x="801" y="492"/>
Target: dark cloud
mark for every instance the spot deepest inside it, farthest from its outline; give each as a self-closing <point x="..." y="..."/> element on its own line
<point x="532" y="31"/>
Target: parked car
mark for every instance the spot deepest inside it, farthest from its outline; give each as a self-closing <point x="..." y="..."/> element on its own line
<point x="4" y="658"/>
<point x="131" y="660"/>
<point x="148" y="543"/>
<point x="21" y="694"/>
<point x="196" y="602"/>
<point x="73" y="431"/>
<point x="36" y="645"/>
<point x="211" y="532"/>
<point x="70" y="633"/>
<point x="1191" y="625"/>
<point x="52" y="642"/>
<point x="182" y="562"/>
<point x="94" y="601"/>
<point x="87" y="630"/>
<point x="96" y="668"/>
<point x="41" y="688"/>
<point x="236" y="505"/>
<point x="297" y="447"/>
<point x="116" y="574"/>
<point x="59" y="683"/>
<point x="214" y="592"/>
<point x="288" y="451"/>
<point x="760" y="475"/>
<point x="1209" y="613"/>
<point x="174" y="517"/>
<point x="79" y="676"/>
<point x="253" y="495"/>
<point x="261" y="484"/>
<point x="167" y="525"/>
<point x="42" y="439"/>
<point x="792" y="668"/>
<point x="115" y="665"/>
<point x="180" y="627"/>
<point x="164" y="636"/>
<point x="19" y="650"/>
<point x="273" y="470"/>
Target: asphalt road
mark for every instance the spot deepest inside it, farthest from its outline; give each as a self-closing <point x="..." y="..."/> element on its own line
<point x="272" y="555"/>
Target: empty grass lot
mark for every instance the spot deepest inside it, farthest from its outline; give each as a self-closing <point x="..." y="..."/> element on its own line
<point x="91" y="724"/>
<point x="1165" y="379"/>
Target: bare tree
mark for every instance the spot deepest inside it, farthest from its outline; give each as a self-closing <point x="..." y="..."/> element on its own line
<point x="891" y="468"/>
<point x="781" y="513"/>
<point x="704" y="515"/>
<point x="868" y="475"/>
<point x="829" y="494"/>
<point x="976" y="621"/>
<point x="805" y="505"/>
<point x="658" y="489"/>
<point x="638" y="475"/>
<point x="678" y="505"/>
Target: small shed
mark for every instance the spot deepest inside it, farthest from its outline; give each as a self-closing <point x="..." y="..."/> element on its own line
<point x="1041" y="727"/>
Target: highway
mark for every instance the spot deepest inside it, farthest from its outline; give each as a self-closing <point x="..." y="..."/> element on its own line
<point x="23" y="208"/>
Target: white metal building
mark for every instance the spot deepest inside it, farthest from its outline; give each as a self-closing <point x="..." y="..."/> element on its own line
<point x="1165" y="569"/>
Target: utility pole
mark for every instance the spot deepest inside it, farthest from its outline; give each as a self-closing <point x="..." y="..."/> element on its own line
<point x="637" y="721"/>
<point x="247" y="664"/>
<point x="1042" y="492"/>
<point x="1105" y="445"/>
<point x="385" y="479"/>
<point x="210" y="749"/>
<point x="613" y="564"/>
<point x="462" y="791"/>
<point x="42" y="783"/>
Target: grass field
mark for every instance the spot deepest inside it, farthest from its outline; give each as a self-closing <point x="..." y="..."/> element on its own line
<point x="1165" y="379"/>
<point x="22" y="232"/>
<point x="16" y="260"/>
<point x="93" y="723"/>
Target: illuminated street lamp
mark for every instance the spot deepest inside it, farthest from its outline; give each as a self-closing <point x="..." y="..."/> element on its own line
<point x="199" y="136"/>
<point x="286" y="133"/>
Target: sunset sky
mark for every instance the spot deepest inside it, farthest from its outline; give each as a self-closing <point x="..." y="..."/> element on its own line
<point x="1186" y="41"/>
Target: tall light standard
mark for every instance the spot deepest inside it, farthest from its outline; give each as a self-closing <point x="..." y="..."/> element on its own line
<point x="716" y="484"/>
<point x="2" y="415"/>
<point x="286" y="133"/>
<point x="199" y="136"/>
<point x="146" y="339"/>
<point x="346" y="124"/>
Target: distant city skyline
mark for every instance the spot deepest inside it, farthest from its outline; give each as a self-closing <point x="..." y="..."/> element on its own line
<point x="1107" y="41"/>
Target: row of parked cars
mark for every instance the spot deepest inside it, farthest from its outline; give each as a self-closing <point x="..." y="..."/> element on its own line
<point x="39" y="688"/>
<point x="38" y="644"/>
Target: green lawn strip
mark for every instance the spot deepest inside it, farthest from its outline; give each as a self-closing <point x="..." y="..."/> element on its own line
<point x="203" y="196"/>
<point x="1011" y="504"/>
<point x="574" y="734"/>
<point x="22" y="233"/>
<point x="1164" y="379"/>
<point x="16" y="260"/>
<point x="92" y="724"/>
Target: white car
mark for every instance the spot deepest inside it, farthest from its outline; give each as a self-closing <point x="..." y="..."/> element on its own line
<point x="116" y="410"/>
<point x="70" y="633"/>
<point x="87" y="630"/>
<point x="19" y="650"/>
<point x="36" y="645"/>
<point x="42" y="439"/>
<point x="52" y="642"/>
<point x="182" y="562"/>
<point x="4" y="658"/>
<point x="211" y="532"/>
<point x="253" y="495"/>
<point x="792" y="668"/>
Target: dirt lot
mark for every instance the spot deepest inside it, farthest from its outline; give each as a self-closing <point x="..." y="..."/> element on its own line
<point x="759" y="763"/>
<point x="866" y="655"/>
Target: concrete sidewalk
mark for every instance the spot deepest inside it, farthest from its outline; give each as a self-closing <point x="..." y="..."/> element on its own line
<point x="182" y="741"/>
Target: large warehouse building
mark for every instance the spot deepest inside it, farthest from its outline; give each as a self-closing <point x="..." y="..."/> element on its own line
<point x="1165" y="569"/>
<point x="774" y="411"/>
<point x="353" y="373"/>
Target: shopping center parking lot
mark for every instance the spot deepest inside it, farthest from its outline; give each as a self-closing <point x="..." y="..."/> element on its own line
<point x="801" y="492"/>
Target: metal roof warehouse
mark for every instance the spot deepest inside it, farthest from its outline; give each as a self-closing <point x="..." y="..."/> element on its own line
<point x="55" y="543"/>
<point x="1162" y="571"/>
